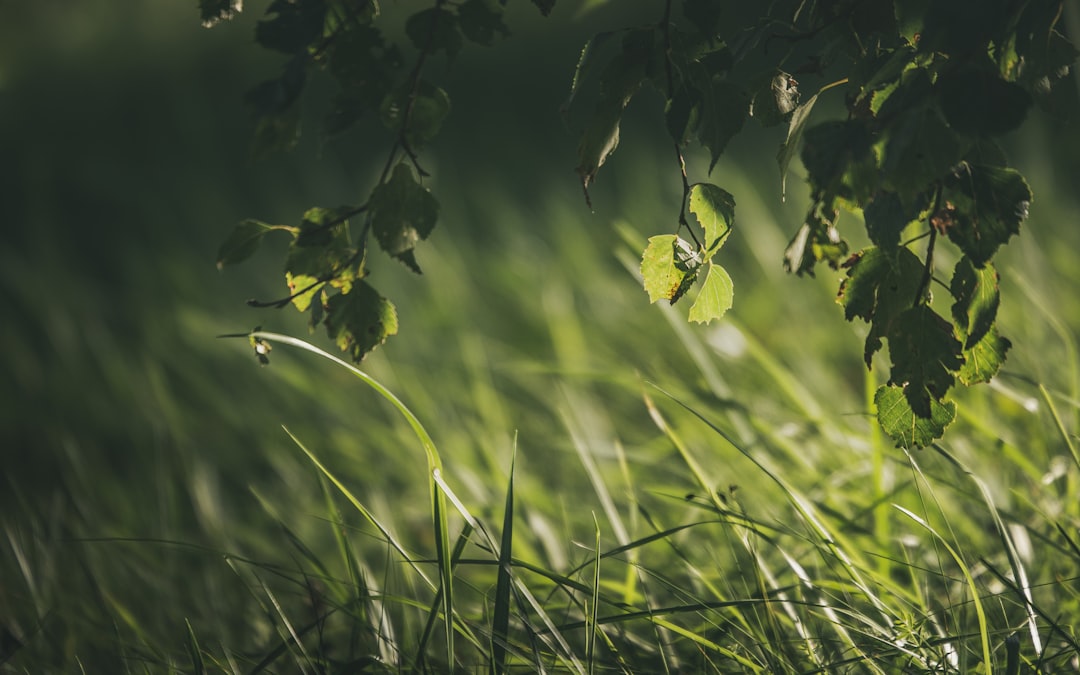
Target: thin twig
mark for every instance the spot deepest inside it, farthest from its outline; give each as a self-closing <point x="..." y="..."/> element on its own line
<point x="669" y="71"/>
<point x="928" y="270"/>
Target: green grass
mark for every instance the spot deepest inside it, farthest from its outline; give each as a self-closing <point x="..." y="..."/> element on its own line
<point x="613" y="490"/>
<point x="617" y="490"/>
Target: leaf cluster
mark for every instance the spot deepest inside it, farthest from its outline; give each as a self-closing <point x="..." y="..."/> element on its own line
<point x="927" y="87"/>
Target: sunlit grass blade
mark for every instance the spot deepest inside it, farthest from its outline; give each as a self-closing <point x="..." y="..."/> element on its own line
<point x="500" y="621"/>
<point x="390" y="538"/>
<point x="980" y="613"/>
<point x="593" y="605"/>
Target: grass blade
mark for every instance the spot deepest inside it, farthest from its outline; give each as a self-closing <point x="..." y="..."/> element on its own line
<point x="500" y="624"/>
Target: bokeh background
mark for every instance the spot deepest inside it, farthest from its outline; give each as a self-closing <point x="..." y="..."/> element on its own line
<point x="137" y="448"/>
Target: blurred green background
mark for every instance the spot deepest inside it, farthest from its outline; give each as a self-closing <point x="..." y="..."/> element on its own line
<point x="124" y="163"/>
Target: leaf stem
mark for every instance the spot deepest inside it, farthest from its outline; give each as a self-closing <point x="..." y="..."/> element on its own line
<point x="665" y="24"/>
<point x="928" y="270"/>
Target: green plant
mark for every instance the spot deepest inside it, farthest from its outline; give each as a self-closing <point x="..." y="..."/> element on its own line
<point x="925" y="88"/>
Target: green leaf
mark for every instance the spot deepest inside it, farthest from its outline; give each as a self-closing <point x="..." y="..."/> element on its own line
<point x="403" y="212"/>
<point x="321" y="252"/>
<point x="434" y="30"/>
<point x="620" y="80"/>
<point x="430" y="106"/>
<point x="293" y="26"/>
<point x="545" y="6"/>
<point x="880" y="286"/>
<point x="242" y="242"/>
<point x="977" y="296"/>
<point x="775" y="99"/>
<point x="716" y="108"/>
<point x="796" y="127"/>
<point x="979" y="102"/>
<point x="668" y="267"/>
<point x="919" y="149"/>
<point x="887" y="215"/>
<point x="983" y="360"/>
<point x="213" y="12"/>
<point x="907" y="429"/>
<point x="925" y="355"/>
<point x="715" y="298"/>
<point x="990" y="204"/>
<point x="715" y="210"/>
<point x="839" y="160"/>
<point x="481" y="20"/>
<point x="817" y="240"/>
<point x="360" y="320"/>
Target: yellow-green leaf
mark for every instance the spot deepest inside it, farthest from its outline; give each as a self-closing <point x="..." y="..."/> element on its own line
<point x="715" y="298"/>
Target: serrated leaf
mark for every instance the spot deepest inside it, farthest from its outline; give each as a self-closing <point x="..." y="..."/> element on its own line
<point x="403" y="213"/>
<point x="213" y="12"/>
<point x="879" y="287"/>
<point x="481" y="20"/>
<point x="620" y="80"/>
<point x="242" y="242"/>
<point x="714" y="208"/>
<point x="715" y="297"/>
<point x="990" y="205"/>
<point x="665" y="266"/>
<point x="977" y="297"/>
<point x="292" y="26"/>
<point x="796" y="127"/>
<point x="320" y="252"/>
<point x="984" y="359"/>
<point x="907" y="429"/>
<point x="434" y="30"/>
<point x="723" y="108"/>
<point x="360" y="320"/>
<point x="430" y="106"/>
<point x="925" y="356"/>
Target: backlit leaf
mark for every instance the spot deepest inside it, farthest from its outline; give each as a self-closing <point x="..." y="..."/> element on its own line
<point x="990" y="204"/>
<point x="715" y="298"/>
<point x="983" y="360"/>
<point x="360" y="320"/>
<point x="403" y="212"/>
<point x="715" y="210"/>
<point x="722" y="109"/>
<point x="976" y="292"/>
<point x="321" y="252"/>
<point x="899" y="421"/>
<point x="665" y="265"/>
